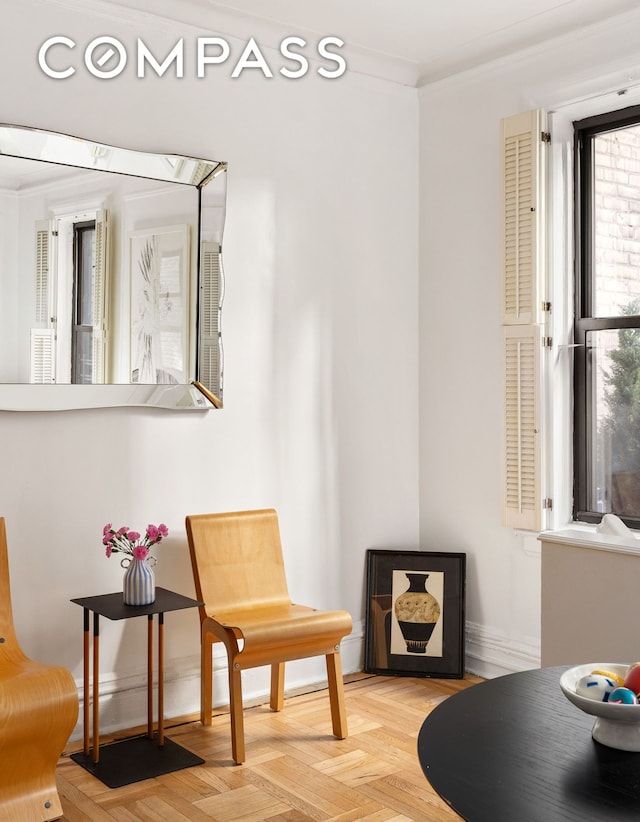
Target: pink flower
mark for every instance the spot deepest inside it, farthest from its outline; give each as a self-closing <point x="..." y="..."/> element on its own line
<point x="129" y="542"/>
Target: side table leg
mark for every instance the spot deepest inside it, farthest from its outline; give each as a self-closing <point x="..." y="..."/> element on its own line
<point x="150" y="676"/>
<point x="161" y="679"/>
<point x="96" y="677"/>
<point x="86" y="713"/>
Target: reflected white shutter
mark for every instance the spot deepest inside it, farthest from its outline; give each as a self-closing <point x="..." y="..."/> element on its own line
<point x="210" y="353"/>
<point x="522" y="217"/>
<point x="199" y="172"/>
<point x="42" y="346"/>
<point x="43" y="357"/>
<point x="43" y="252"/>
<point x="523" y="317"/>
<point x="101" y="300"/>
<point x="523" y="491"/>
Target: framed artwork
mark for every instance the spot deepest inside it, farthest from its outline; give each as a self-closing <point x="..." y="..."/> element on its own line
<point x="414" y="622"/>
<point x="159" y="267"/>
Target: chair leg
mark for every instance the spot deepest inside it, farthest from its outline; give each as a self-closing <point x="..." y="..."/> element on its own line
<point x="277" y="686"/>
<point x="336" y="695"/>
<point x="206" y="680"/>
<point x="237" y="719"/>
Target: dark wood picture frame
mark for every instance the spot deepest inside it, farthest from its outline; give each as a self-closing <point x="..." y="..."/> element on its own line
<point x="430" y="640"/>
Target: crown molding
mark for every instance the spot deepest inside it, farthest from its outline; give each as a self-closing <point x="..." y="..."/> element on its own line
<point x="620" y="31"/>
<point x="204" y="18"/>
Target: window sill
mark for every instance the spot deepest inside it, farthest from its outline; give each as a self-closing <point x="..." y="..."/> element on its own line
<point x="586" y="536"/>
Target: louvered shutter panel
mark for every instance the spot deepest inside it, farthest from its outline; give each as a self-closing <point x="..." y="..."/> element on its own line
<point x="522" y="317"/>
<point x="522" y="217"/>
<point x="100" y="300"/>
<point x="42" y="350"/>
<point x="523" y="489"/>
<point x="43" y="355"/>
<point x="199" y="172"/>
<point x="210" y="354"/>
<point x="42" y="273"/>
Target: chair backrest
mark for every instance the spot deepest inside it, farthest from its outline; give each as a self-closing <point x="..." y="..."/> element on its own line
<point x="237" y="560"/>
<point x="9" y="645"/>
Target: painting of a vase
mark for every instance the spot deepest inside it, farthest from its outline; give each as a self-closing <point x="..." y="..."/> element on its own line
<point x="417" y="612"/>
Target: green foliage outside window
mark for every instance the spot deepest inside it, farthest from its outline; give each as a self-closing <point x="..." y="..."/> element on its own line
<point x="622" y="396"/>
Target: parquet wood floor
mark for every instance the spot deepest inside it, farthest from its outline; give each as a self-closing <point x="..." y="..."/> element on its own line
<point x="296" y="771"/>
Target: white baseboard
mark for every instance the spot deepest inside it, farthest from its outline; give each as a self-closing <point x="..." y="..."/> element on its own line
<point x="490" y="654"/>
<point x="123" y="697"/>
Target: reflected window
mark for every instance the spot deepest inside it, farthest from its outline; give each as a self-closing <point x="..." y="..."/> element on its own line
<point x="84" y="240"/>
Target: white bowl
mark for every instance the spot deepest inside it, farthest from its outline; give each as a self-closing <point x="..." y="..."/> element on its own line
<point x="616" y="725"/>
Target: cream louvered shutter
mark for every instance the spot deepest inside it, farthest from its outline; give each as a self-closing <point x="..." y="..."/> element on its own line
<point x="523" y="492"/>
<point x="199" y="172"/>
<point x="100" y="337"/>
<point x="522" y="217"/>
<point x="42" y="346"/>
<point x="210" y="353"/>
<point x="43" y="356"/>
<point x="523" y="316"/>
<point x="43" y="252"/>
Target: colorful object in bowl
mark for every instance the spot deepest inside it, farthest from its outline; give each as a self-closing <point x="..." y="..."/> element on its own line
<point x="617" y="679"/>
<point x="623" y="696"/>
<point x="632" y="678"/>
<point x="596" y="686"/>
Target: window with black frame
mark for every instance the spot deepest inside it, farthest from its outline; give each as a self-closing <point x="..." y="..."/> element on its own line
<point x="84" y="235"/>
<point x="607" y="317"/>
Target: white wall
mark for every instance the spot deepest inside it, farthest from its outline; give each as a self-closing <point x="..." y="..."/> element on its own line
<point x="320" y="338"/>
<point x="461" y="382"/>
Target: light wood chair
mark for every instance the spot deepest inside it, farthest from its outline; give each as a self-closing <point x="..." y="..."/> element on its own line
<point x="38" y="711"/>
<point x="239" y="574"/>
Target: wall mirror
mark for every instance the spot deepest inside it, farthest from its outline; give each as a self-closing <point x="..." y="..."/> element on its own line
<point x="111" y="280"/>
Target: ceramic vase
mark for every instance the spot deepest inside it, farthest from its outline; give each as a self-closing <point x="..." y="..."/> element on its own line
<point x="138" y="584"/>
<point x="417" y="612"/>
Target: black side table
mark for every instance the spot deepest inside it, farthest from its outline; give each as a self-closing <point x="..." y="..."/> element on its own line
<point x="142" y="757"/>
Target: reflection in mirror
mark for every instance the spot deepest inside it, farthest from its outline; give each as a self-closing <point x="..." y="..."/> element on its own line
<point x="110" y="275"/>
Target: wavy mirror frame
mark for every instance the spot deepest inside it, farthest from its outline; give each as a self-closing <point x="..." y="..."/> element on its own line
<point x="191" y="345"/>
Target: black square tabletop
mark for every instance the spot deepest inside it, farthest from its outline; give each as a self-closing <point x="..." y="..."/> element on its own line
<point x="112" y="605"/>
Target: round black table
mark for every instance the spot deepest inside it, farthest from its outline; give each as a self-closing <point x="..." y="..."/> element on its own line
<point x="514" y="749"/>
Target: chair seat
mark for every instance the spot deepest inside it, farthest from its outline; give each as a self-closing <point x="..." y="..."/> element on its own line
<point x="280" y="633"/>
<point x="283" y="624"/>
